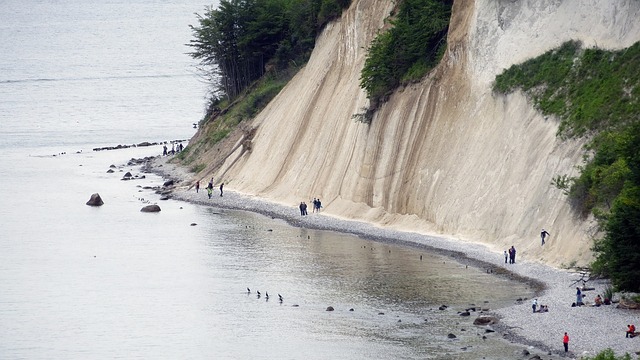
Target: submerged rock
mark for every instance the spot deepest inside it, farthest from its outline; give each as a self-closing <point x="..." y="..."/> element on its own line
<point x="485" y="320"/>
<point x="151" y="208"/>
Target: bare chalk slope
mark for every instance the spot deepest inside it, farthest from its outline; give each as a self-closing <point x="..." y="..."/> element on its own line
<point x="445" y="155"/>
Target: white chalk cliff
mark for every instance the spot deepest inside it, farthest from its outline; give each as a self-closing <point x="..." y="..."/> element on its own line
<point x="444" y="156"/>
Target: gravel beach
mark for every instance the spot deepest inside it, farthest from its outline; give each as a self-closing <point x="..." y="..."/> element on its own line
<point x="591" y="329"/>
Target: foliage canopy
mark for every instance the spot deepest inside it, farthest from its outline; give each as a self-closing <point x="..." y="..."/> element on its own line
<point x="239" y="40"/>
<point x="409" y="49"/>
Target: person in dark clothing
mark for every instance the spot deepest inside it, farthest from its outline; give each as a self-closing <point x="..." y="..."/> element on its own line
<point x="543" y="235"/>
<point x="301" y="207"/>
<point x="197" y="186"/>
<point x="512" y="255"/>
<point x="221" y="185"/>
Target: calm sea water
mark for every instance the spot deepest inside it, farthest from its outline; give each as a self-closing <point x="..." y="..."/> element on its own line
<point x="78" y="282"/>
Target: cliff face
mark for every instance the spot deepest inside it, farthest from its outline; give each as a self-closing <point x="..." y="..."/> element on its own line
<point x="443" y="156"/>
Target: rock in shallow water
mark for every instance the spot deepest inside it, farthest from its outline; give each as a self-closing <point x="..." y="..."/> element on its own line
<point x="95" y="200"/>
<point x="150" y="208"/>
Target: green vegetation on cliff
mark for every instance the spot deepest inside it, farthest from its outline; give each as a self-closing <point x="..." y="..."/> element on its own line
<point x="241" y="40"/>
<point x="595" y="93"/>
<point x="408" y="50"/>
<point x="248" y="50"/>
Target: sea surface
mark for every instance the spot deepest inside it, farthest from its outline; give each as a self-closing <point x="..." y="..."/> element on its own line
<point x="110" y="282"/>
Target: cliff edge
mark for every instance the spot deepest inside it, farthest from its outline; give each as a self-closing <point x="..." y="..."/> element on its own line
<point x="444" y="156"/>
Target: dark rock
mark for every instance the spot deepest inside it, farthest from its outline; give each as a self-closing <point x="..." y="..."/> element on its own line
<point x="525" y="352"/>
<point x="151" y="208"/>
<point x="535" y="357"/>
<point x="380" y="313"/>
<point x="443" y="307"/>
<point x="451" y="336"/>
<point x="193" y="224"/>
<point x="168" y="183"/>
<point x="127" y="175"/>
<point x="351" y="309"/>
<point x="489" y="330"/>
<point x="485" y="320"/>
<point x="465" y="313"/>
<point x="164" y="198"/>
<point x="330" y="308"/>
<point x="95" y="200"/>
<point x="110" y="171"/>
<point x="112" y="166"/>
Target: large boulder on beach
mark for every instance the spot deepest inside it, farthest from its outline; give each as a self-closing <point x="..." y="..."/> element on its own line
<point x="168" y="183"/>
<point x="628" y="304"/>
<point x="151" y="208"/>
<point x="95" y="200"/>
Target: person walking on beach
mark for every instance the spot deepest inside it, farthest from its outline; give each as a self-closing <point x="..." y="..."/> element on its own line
<point x="197" y="186"/>
<point x="543" y="235"/>
<point x="534" y="304"/>
<point x="221" y="185"/>
<point x="209" y="192"/>
<point x="164" y="150"/>
<point x="506" y="256"/>
<point x="565" y="342"/>
<point x="210" y="185"/>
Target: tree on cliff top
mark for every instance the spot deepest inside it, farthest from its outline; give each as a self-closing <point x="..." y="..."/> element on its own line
<point x="239" y="40"/>
<point x="407" y="51"/>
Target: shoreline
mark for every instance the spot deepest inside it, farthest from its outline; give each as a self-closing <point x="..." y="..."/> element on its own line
<point x="591" y="329"/>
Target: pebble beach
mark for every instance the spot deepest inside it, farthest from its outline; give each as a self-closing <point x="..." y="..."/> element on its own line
<point x="590" y="329"/>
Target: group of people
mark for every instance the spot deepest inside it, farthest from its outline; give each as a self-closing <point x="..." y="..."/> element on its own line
<point x="542" y="308"/>
<point x="174" y="149"/>
<point x="317" y="204"/>
<point x="510" y="256"/>
<point x="598" y="301"/>
<point x="209" y="188"/>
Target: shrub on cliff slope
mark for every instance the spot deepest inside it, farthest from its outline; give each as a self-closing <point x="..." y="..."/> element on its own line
<point x="596" y="93"/>
<point x="407" y="51"/>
